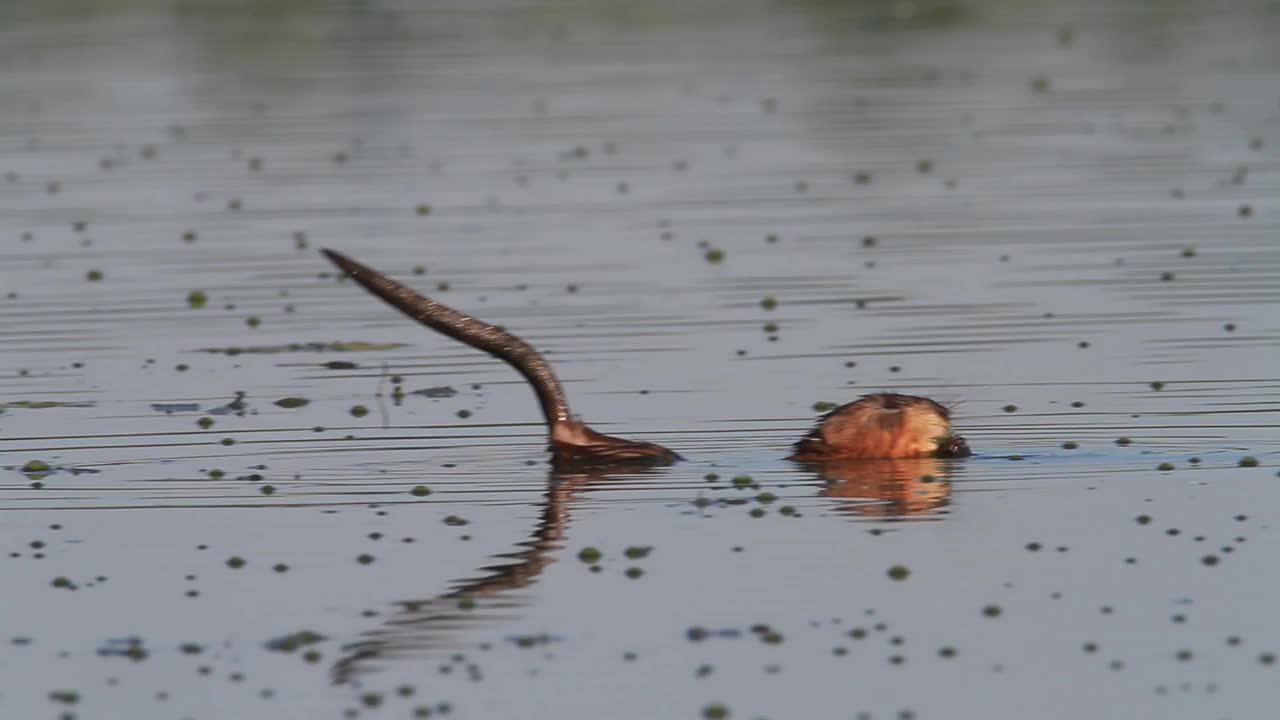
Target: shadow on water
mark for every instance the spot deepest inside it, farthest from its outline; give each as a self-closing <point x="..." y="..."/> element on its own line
<point x="896" y="489"/>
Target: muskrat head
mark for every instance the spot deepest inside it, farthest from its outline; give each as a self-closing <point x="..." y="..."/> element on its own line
<point x="883" y="425"/>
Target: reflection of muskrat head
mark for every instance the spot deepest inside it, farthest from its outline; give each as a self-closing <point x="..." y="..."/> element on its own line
<point x="883" y="425"/>
<point x="886" y="488"/>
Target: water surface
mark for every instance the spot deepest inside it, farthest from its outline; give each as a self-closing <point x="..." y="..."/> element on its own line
<point x="1060" y="219"/>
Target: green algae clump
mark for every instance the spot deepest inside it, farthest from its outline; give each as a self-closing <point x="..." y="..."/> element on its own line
<point x="715" y="711"/>
<point x="635" y="552"/>
<point x="36" y="466"/>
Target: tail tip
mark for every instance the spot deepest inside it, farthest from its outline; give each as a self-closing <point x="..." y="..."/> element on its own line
<point x="342" y="261"/>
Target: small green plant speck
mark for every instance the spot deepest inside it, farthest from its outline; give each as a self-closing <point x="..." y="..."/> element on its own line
<point x="635" y="552"/>
<point x="715" y="711"/>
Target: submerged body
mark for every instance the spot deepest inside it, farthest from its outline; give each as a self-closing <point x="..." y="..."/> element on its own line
<point x="883" y="425"/>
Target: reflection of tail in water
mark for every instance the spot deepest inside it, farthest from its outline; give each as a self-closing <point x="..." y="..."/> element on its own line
<point x="421" y="627"/>
<point x="889" y="488"/>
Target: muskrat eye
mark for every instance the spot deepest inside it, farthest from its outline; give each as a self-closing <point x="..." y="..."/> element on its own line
<point x="952" y="446"/>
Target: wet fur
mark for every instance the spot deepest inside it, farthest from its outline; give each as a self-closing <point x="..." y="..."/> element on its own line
<point x="883" y="425"/>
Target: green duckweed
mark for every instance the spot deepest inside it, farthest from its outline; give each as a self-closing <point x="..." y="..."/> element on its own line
<point x="715" y="711"/>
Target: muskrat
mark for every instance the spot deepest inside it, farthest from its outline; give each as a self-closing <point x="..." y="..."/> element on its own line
<point x="882" y="425"/>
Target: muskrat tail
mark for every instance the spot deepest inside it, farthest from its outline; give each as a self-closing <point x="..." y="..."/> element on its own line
<point x="462" y="327"/>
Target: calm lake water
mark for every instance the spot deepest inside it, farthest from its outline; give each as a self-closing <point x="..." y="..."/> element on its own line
<point x="235" y="487"/>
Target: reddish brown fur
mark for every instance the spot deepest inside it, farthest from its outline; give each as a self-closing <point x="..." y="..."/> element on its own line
<point x="883" y="425"/>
